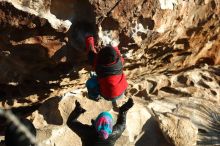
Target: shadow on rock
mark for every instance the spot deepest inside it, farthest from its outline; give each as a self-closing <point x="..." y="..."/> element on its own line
<point x="152" y="135"/>
<point x="19" y="92"/>
<point x="28" y="71"/>
<point x="50" y="111"/>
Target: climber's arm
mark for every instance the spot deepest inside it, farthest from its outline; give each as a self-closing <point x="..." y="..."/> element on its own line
<point x="92" y="58"/>
<point x="115" y="46"/>
<point x="80" y="129"/>
<point x="91" y="50"/>
<point x="120" y="125"/>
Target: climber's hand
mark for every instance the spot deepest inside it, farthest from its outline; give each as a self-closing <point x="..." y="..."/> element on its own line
<point x="93" y="122"/>
<point x="78" y="107"/>
<point x="114" y="43"/>
<point x="126" y="106"/>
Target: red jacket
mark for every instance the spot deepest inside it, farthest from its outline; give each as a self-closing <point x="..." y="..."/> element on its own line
<point x="114" y="85"/>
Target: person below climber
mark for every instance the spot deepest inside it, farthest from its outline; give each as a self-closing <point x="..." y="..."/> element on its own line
<point x="101" y="132"/>
<point x="108" y="65"/>
<point x="15" y="137"/>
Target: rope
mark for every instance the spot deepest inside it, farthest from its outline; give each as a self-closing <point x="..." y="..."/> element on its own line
<point x="10" y="117"/>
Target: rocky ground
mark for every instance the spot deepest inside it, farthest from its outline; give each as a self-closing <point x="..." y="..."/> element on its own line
<point x="172" y="63"/>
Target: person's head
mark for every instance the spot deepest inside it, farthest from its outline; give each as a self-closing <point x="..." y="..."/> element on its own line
<point x="107" y="55"/>
<point x="104" y="124"/>
<point x="15" y="138"/>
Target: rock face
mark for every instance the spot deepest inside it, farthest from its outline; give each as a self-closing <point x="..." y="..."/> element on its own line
<point x="174" y="34"/>
<point x="186" y="31"/>
<point x="178" y="130"/>
<point x="172" y="58"/>
<point x="30" y="37"/>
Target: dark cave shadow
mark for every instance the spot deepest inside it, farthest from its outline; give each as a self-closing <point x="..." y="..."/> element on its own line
<point x="78" y="32"/>
<point x="32" y="70"/>
<point x="152" y="135"/>
<point x="83" y="23"/>
<point x="9" y="93"/>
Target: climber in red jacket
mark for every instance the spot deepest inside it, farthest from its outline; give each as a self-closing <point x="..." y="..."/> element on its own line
<point x="108" y="65"/>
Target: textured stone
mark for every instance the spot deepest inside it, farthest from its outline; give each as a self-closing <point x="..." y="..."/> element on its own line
<point x="31" y="36"/>
<point x="184" y="22"/>
<point x="171" y="62"/>
<point x="179" y="131"/>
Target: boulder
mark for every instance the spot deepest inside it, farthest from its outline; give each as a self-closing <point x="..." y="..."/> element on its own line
<point x="179" y="131"/>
